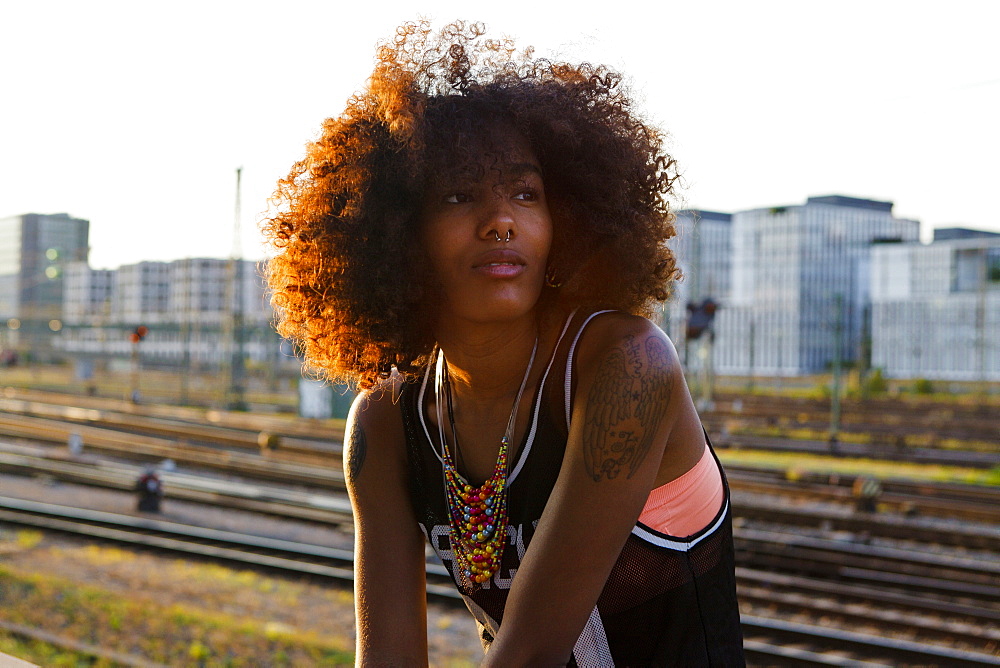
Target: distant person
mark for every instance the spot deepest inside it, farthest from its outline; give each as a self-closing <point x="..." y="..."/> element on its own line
<point x="150" y="490"/>
<point x="475" y="242"/>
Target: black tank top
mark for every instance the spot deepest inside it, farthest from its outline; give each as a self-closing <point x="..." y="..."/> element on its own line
<point x="668" y="600"/>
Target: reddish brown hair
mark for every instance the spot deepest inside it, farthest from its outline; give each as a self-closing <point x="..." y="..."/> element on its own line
<point x="348" y="281"/>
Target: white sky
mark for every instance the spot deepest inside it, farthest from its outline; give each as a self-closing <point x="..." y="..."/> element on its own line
<point x="136" y="115"/>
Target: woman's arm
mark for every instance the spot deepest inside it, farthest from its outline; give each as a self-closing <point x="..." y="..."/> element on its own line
<point x="389" y="586"/>
<point x="629" y="398"/>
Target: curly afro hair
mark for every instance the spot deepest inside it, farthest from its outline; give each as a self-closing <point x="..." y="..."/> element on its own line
<point x="348" y="279"/>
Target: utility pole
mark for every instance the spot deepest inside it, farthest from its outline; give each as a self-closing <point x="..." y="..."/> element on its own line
<point x="838" y="328"/>
<point x="780" y="369"/>
<point x="865" y="346"/>
<point x="184" y="336"/>
<point x="981" y="323"/>
<point x="235" y="396"/>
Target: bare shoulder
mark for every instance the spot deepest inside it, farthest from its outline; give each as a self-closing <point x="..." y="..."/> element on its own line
<point x="626" y="399"/>
<point x="374" y="433"/>
<point x="375" y="407"/>
<point x="641" y="344"/>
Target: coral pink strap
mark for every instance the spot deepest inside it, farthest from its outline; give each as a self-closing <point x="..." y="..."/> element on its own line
<point x="687" y="505"/>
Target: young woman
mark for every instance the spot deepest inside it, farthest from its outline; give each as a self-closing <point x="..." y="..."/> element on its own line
<point x="474" y="242"/>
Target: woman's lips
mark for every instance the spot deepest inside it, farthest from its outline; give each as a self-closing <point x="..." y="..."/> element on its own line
<point x="502" y="270"/>
<point x="500" y="264"/>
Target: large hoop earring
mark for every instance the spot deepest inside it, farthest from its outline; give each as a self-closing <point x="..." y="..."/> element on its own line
<point x="550" y="278"/>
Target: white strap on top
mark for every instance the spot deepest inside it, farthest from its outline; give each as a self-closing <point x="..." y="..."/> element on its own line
<point x="534" y="417"/>
<point x="569" y="363"/>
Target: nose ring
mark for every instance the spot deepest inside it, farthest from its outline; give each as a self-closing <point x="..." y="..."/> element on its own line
<point x="506" y="239"/>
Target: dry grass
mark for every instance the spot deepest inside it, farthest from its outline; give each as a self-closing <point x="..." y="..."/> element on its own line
<point x="808" y="463"/>
<point x="170" y="634"/>
<point x="178" y="612"/>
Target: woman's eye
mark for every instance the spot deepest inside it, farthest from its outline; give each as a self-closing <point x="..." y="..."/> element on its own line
<point x="458" y="198"/>
<point x="528" y="195"/>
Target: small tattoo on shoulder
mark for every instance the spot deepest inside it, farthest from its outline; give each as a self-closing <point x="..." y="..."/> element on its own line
<point x="359" y="448"/>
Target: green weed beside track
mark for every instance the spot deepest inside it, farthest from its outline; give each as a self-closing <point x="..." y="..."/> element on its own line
<point x="135" y="625"/>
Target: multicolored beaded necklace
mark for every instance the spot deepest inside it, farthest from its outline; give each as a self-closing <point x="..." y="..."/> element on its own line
<point x="477" y="514"/>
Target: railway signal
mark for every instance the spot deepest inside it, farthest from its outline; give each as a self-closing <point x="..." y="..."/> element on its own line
<point x="135" y="336"/>
<point x="138" y="334"/>
<point x="700" y="317"/>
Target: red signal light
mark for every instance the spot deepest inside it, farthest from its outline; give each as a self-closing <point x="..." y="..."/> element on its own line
<point x="138" y="334"/>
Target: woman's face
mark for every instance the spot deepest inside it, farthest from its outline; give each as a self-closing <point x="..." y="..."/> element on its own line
<point x="487" y="237"/>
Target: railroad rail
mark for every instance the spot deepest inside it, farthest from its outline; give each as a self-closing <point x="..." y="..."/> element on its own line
<point x="282" y="501"/>
<point x="778" y="642"/>
<point x="125" y="426"/>
<point x="854" y="577"/>
<point x="909" y="430"/>
<point x="880" y="421"/>
<point x="942" y="574"/>
<point x="317" y="471"/>
<point x="769" y="641"/>
<point x="925" y="499"/>
<point x="287" y="425"/>
<point x="329" y="504"/>
<point x="321" y="467"/>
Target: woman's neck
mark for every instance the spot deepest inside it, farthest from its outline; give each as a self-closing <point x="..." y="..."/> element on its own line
<point x="487" y="362"/>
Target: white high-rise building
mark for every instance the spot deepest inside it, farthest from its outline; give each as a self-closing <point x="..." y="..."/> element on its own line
<point x="800" y="284"/>
<point x="936" y="308"/>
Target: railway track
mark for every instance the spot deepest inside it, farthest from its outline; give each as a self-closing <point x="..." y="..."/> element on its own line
<point x="287" y="425"/>
<point x="328" y="503"/>
<point x="926" y="499"/>
<point x="898" y="423"/>
<point x="722" y="438"/>
<point x="770" y="641"/>
<point x="317" y="471"/>
<point x="946" y="575"/>
<point x="774" y="642"/>
<point x="322" y="469"/>
<point x="893" y="430"/>
<point x="933" y="595"/>
<point x="145" y="431"/>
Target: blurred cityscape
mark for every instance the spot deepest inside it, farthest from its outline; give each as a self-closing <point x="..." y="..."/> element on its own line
<point x="838" y="281"/>
<point x="782" y="292"/>
<point x="155" y="431"/>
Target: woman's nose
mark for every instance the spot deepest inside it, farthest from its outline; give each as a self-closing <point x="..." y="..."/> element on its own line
<point x="497" y="222"/>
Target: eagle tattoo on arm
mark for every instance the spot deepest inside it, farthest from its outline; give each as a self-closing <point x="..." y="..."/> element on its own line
<point x="625" y="406"/>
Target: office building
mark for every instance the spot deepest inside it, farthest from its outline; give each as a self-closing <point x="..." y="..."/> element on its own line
<point x="799" y="284"/>
<point x="34" y="251"/>
<point x="936" y="308"/>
